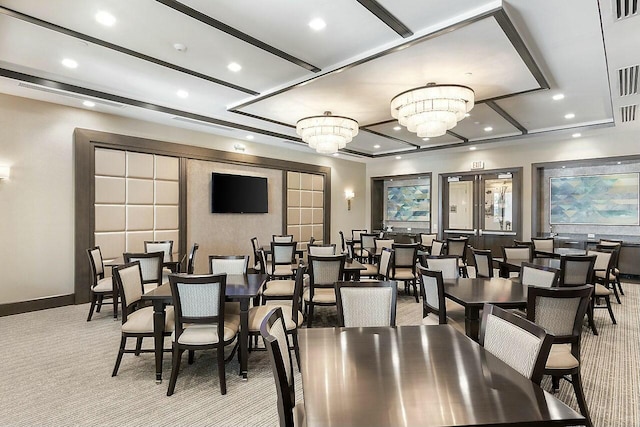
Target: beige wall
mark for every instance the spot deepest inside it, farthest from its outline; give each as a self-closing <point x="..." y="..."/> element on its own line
<point x="37" y="203"/>
<point x="605" y="142"/>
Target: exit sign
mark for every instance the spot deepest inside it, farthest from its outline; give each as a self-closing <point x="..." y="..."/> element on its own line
<point x="477" y="165"/>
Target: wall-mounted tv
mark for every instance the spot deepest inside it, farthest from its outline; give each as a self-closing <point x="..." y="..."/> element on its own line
<point x="238" y="194"/>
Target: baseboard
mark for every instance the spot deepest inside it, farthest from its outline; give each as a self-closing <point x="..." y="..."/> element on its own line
<point x="37" y="304"/>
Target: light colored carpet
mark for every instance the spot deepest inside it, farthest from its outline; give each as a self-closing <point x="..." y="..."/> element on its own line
<point x="55" y="370"/>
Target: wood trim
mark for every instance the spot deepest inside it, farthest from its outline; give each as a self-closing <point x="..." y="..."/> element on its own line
<point x="37" y="304"/>
<point x="385" y="16"/>
<point x="495" y="107"/>
<point x="377" y="194"/>
<point x="84" y="194"/>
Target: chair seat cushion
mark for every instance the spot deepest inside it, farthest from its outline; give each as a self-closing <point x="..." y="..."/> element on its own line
<point x="560" y="357"/>
<point x="279" y="288"/>
<point x="372" y="270"/>
<point x="141" y="321"/>
<point x="601" y="274"/>
<point x="149" y="287"/>
<point x="258" y="314"/>
<point x="403" y="273"/>
<point x="299" y="415"/>
<point x="199" y="334"/>
<point x="104" y="285"/>
<point x="321" y="295"/>
<point x="601" y="291"/>
<point x="359" y="252"/>
<point x="283" y="270"/>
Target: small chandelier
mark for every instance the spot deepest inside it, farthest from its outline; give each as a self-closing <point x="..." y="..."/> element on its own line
<point x="432" y="110"/>
<point x="327" y="134"/>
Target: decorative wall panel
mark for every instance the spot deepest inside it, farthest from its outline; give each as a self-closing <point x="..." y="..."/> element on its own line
<point x="305" y="210"/>
<point x="610" y="199"/>
<point x="409" y="203"/>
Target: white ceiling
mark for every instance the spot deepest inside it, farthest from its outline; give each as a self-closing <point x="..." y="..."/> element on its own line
<point x="515" y="54"/>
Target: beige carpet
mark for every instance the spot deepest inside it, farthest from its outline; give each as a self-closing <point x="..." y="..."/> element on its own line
<point x="55" y="370"/>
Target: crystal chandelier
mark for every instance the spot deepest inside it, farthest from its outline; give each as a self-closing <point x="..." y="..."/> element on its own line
<point x="432" y="110"/>
<point x="327" y="134"/>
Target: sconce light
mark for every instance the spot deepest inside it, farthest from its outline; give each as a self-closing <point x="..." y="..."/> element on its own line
<point x="5" y="172"/>
<point x="239" y="147"/>
<point x="349" y="195"/>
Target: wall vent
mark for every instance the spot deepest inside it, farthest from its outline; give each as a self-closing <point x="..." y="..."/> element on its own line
<point x="201" y="123"/>
<point x="70" y="94"/>
<point x="628" y="80"/>
<point x="628" y="113"/>
<point x="625" y="8"/>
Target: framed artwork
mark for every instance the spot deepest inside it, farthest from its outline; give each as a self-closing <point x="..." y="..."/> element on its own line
<point x="595" y="199"/>
<point x="409" y="203"/>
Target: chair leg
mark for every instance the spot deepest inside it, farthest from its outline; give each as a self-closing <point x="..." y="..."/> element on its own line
<point x="576" y="380"/>
<point x="176" y="355"/>
<point x="221" y="370"/>
<point x="123" y="342"/>
<point x="94" y="298"/>
<point x="296" y="348"/>
<point x="619" y="285"/>
<point x="415" y="290"/>
<point x="555" y="383"/>
<point x="615" y="292"/>
<point x="592" y="324"/>
<point x="138" y="346"/>
<point x="100" y="297"/>
<point x="607" y="300"/>
<point x="115" y="304"/>
<point x="192" y="354"/>
<point x="310" y="318"/>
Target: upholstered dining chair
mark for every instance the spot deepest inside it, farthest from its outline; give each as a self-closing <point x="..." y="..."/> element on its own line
<point x="560" y="311"/>
<point x="458" y="247"/>
<point x="577" y="270"/>
<point x="380" y="244"/>
<point x="274" y="288"/>
<point x="538" y="275"/>
<point x="434" y="303"/>
<point x="447" y="264"/>
<point x="166" y="246"/>
<point x="322" y="249"/>
<point x="516" y="341"/>
<point x="437" y="248"/>
<point x="200" y="321"/>
<point x="609" y="243"/>
<point x="602" y="280"/>
<point x="343" y="246"/>
<point x="229" y="264"/>
<point x="542" y="246"/>
<point x="283" y="238"/>
<point x="356" y="239"/>
<point x="191" y="262"/>
<point x="151" y="266"/>
<point x="484" y="262"/>
<point x="137" y="321"/>
<point x="522" y="253"/>
<point x="403" y="266"/>
<point x="426" y="240"/>
<point x="366" y="304"/>
<point x="324" y="272"/>
<point x="611" y="276"/>
<point x="256" y="259"/>
<point x="282" y="257"/>
<point x="367" y="242"/>
<point x="101" y="286"/>
<point x="274" y="335"/>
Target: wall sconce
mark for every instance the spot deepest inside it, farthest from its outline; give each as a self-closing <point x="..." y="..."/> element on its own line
<point x="349" y="195"/>
<point x="5" y="172"/>
<point x="239" y="147"/>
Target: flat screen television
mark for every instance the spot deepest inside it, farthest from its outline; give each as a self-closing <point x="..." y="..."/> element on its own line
<point x="238" y="194"/>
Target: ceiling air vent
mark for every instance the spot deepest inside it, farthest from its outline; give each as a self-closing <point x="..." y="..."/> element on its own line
<point x="628" y="113"/>
<point x="201" y="123"/>
<point x="70" y="94"/>
<point x="626" y="8"/>
<point x="628" y="80"/>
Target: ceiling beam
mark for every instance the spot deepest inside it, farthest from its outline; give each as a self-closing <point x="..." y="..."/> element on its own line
<point x="495" y="107"/>
<point x="385" y="16"/>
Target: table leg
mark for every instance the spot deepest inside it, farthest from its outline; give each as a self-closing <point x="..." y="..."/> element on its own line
<point x="158" y="336"/>
<point x="504" y="271"/>
<point x="244" y="337"/>
<point x="472" y="322"/>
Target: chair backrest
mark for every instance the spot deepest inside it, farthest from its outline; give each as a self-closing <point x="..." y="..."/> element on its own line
<point x="426" y="239"/>
<point x="543" y="244"/>
<point x="516" y="341"/>
<point x="150" y="264"/>
<point x="283" y="238"/>
<point x="576" y="270"/>
<point x="404" y="255"/>
<point x="538" y="275"/>
<point x="384" y="265"/>
<point x="128" y="280"/>
<point x="198" y="299"/>
<point x="256" y="246"/>
<point x="604" y="260"/>
<point x="355" y="234"/>
<point x="484" y="262"/>
<point x="96" y="263"/>
<point x="327" y="249"/>
<point x="560" y="311"/>
<point x="325" y="271"/>
<point x="283" y="253"/>
<point x="615" y="251"/>
<point x="228" y="264"/>
<point x="520" y="243"/>
<point x="437" y="247"/>
<point x="191" y="263"/>
<point x="458" y="247"/>
<point x="447" y="264"/>
<point x="343" y="247"/>
<point x="362" y="304"/>
<point x="379" y="244"/>
<point x="432" y="291"/>
<point x="276" y="341"/>
<point x="517" y="253"/>
<point x="368" y="240"/>
<point x="165" y="246"/>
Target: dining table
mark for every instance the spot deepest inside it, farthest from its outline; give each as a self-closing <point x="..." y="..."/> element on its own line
<point x="473" y="293"/>
<point x="416" y="376"/>
<point x="172" y="265"/>
<point x="239" y="287"/>
<point x="558" y="252"/>
<point x="515" y="265"/>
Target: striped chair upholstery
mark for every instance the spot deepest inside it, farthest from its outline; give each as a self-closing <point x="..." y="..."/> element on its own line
<point x="366" y="304"/>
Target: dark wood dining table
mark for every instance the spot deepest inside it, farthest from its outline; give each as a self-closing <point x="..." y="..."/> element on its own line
<point x="172" y="265"/>
<point x="416" y="376"/>
<point x="558" y="252"/>
<point x="515" y="265"/>
<point x="241" y="288"/>
<point x="473" y="293"/>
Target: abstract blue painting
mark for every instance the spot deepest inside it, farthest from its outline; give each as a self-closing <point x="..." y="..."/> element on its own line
<point x="596" y="199"/>
<point x="409" y="203"/>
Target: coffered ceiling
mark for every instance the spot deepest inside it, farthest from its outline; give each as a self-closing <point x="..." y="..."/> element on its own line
<point x="516" y="55"/>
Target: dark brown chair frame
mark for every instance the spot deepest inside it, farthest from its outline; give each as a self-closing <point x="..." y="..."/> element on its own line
<point x="443" y="249"/>
<point x="539" y="254"/>
<point x="606" y="281"/>
<point x="191" y="262"/>
<point x="242" y="257"/>
<point x="453" y="249"/>
<point x="160" y="254"/>
<point x="564" y="259"/>
<point x="343" y="245"/>
<point x="394" y="266"/>
<point x="556" y="271"/>
<point x="312" y="285"/>
<point x="274" y="245"/>
<point x="483" y="253"/>
<point x="97" y="298"/>
<point x="427" y="308"/>
<point x="377" y="284"/>
<point x="609" y="243"/>
<point x="147" y="242"/>
<point x="615" y="280"/>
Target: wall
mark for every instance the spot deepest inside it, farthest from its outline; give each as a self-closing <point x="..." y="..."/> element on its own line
<point x="597" y="143"/>
<point x="37" y="204"/>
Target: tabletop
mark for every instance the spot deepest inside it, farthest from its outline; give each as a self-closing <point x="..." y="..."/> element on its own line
<point x="478" y="291"/>
<point x="416" y="376"/>
<point x="238" y="285"/>
<point x="517" y="263"/>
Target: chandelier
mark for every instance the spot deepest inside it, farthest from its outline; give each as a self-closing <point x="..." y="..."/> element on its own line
<point x="432" y="110"/>
<point x="327" y="134"/>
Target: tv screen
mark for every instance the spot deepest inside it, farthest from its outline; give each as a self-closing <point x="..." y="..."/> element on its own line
<point x="238" y="194"/>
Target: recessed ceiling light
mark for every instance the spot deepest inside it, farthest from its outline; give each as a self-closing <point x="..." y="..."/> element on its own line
<point x="563" y="167"/>
<point x="473" y="148"/>
<point x="569" y="116"/>
<point x="317" y="24"/>
<point x="182" y="93"/>
<point x="234" y="66"/>
<point x="488" y="129"/>
<point x="397" y="128"/>
<point x="426" y="139"/>
<point x="376" y="146"/>
<point x="558" y="96"/>
<point x="89" y="104"/>
<point x="576" y="135"/>
<point x="619" y="163"/>
<point x="398" y="157"/>
<point x="336" y="154"/>
<point x="105" y="18"/>
<point x="249" y="136"/>
<point x="180" y="47"/>
<point x="467" y="115"/>
<point x="69" y="63"/>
